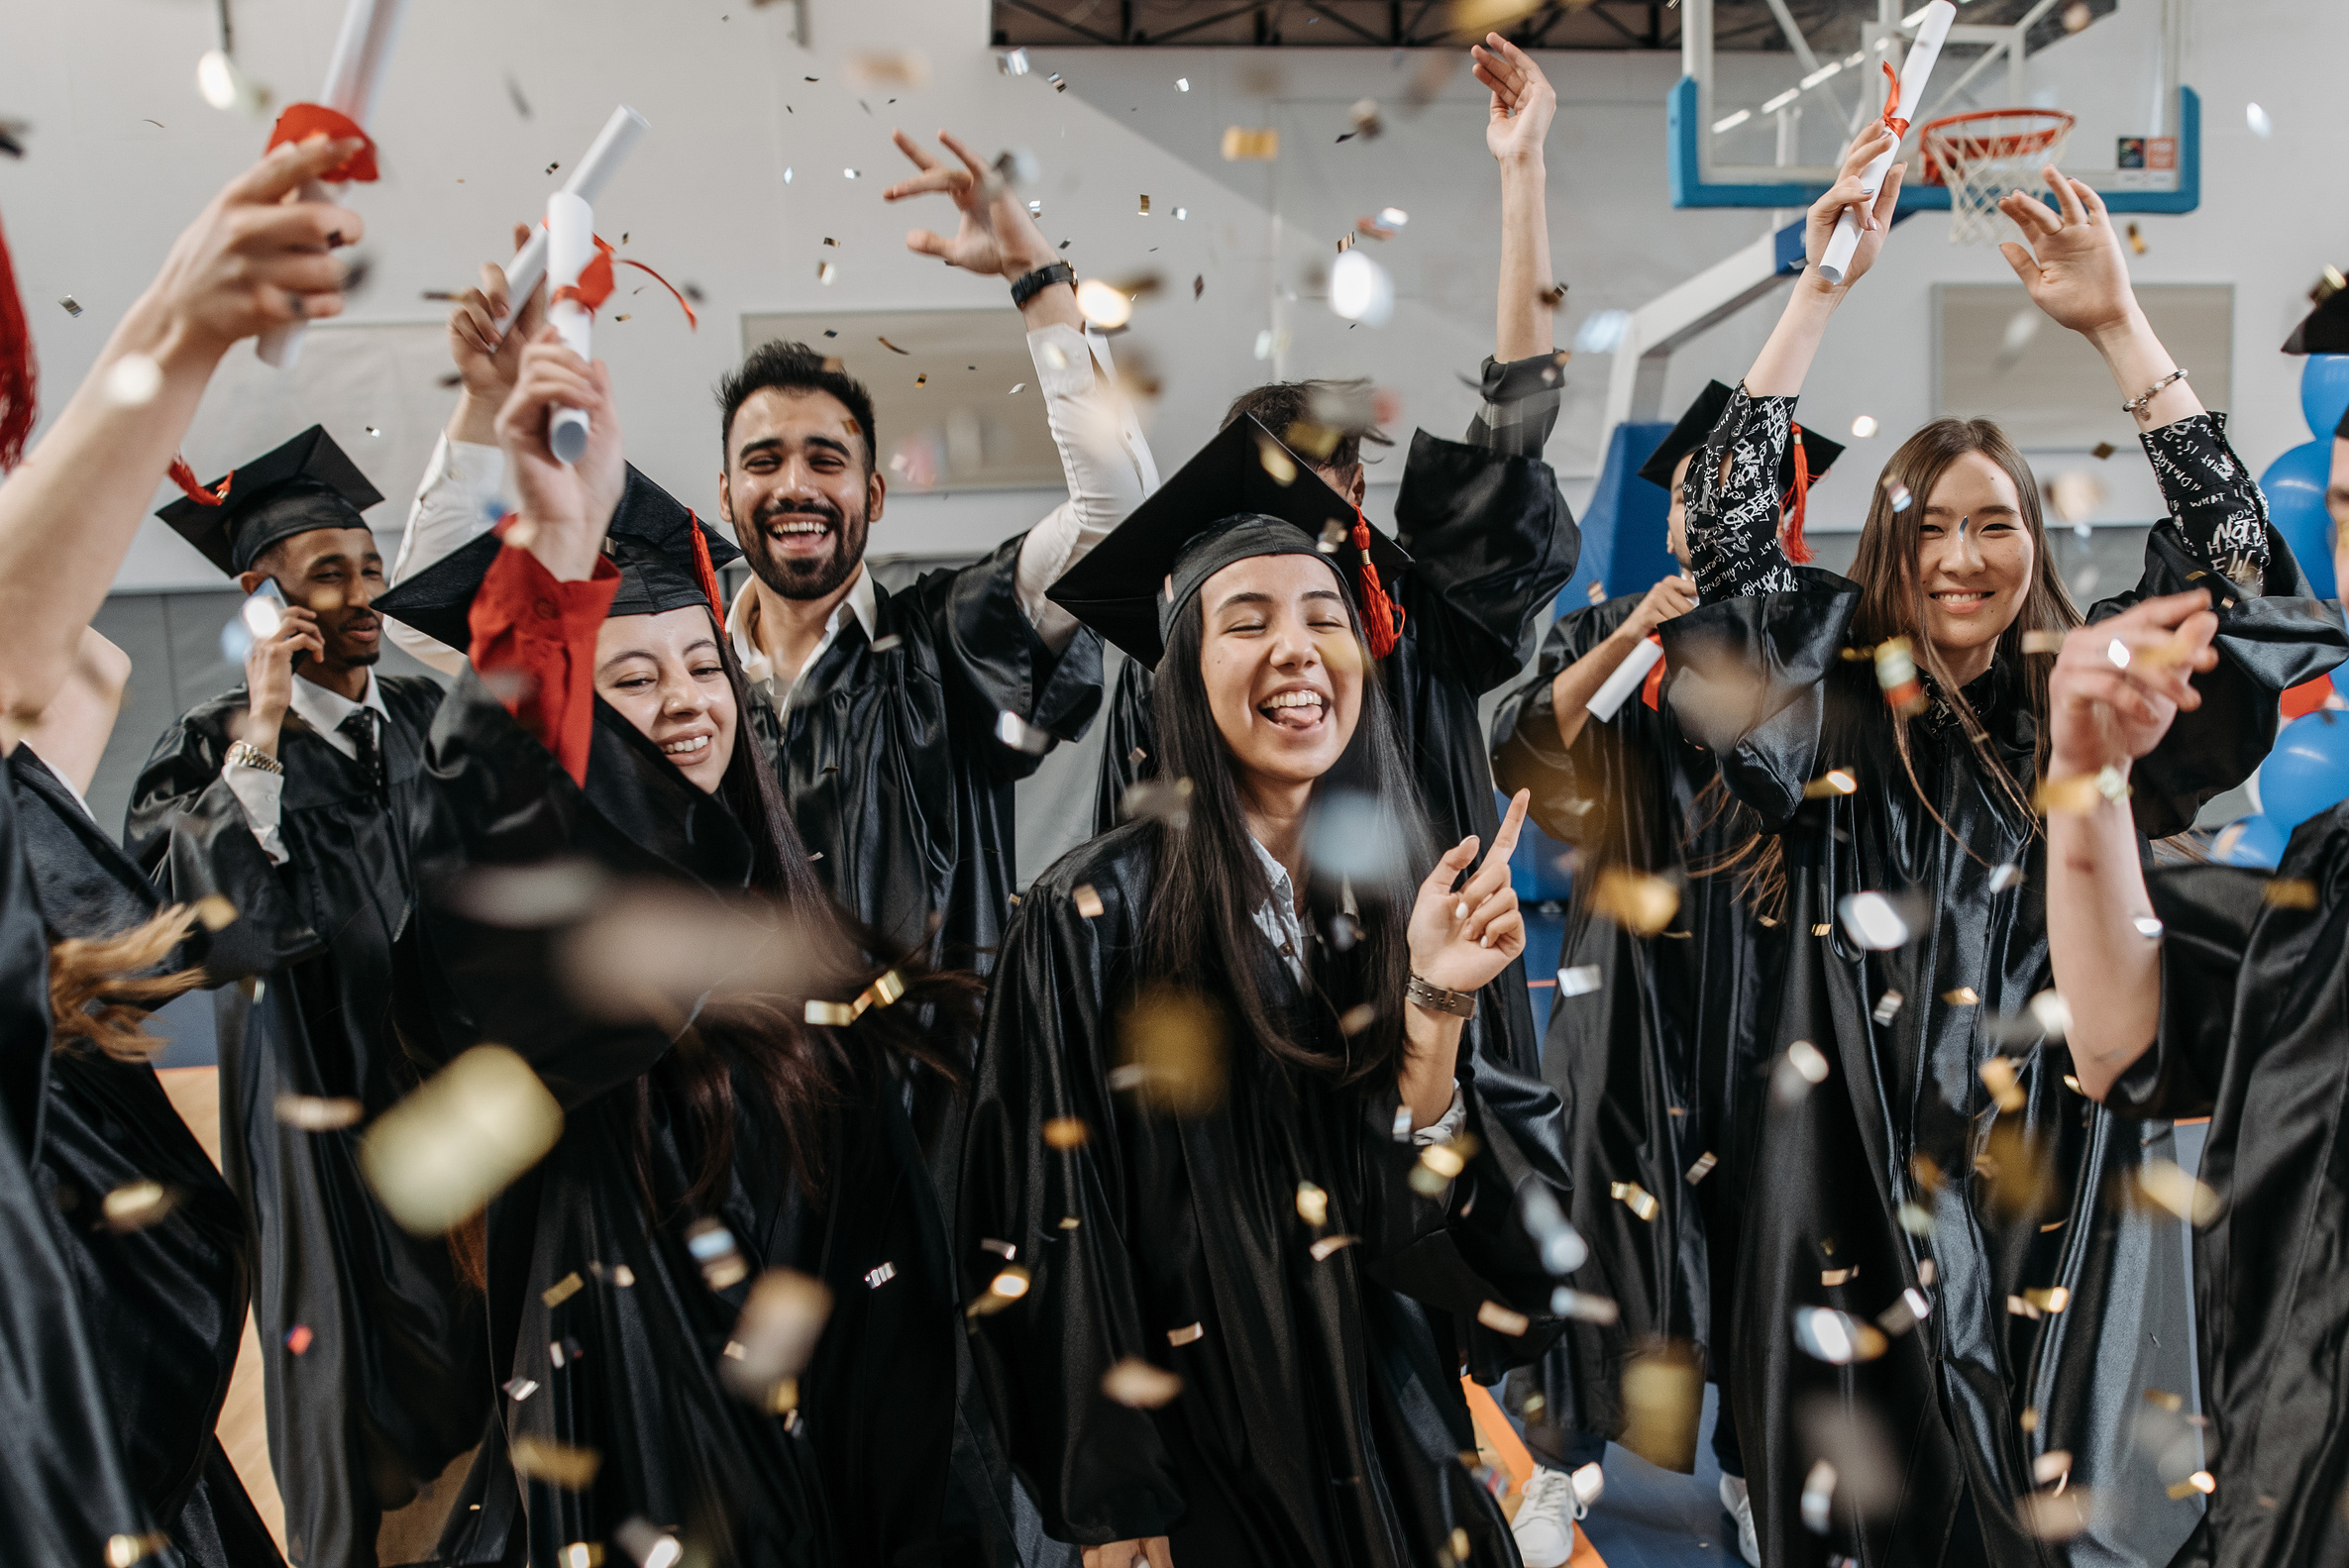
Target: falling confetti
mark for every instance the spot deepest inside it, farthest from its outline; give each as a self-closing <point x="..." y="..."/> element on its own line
<point x="2006" y="874"/>
<point x="1022" y="735"/>
<point x="1562" y="1248"/>
<point x="1702" y="1168"/>
<point x="557" y="1464"/>
<point x="1818" y="1498"/>
<point x="1241" y="144"/>
<point x="1173" y="1044"/>
<point x="299" y="1338"/>
<point x="1872" y="922"/>
<point x="1999" y="1077"/>
<point x="563" y="1290"/>
<point x="1013" y="63"/>
<point x="1898" y="495"/>
<point x="1865" y="426"/>
<point x="714" y="1249"/>
<point x="1329" y="1246"/>
<point x="1159" y="799"/>
<point x="1663" y="1392"/>
<point x="1065" y="1132"/>
<point x="317" y="1113"/>
<point x="1103" y="305"/>
<point x="2289" y="893"/>
<point x="1802" y="1069"/>
<point x="2173" y="1188"/>
<point x="1181" y="84"/>
<point x="2257" y="119"/>
<point x="1503" y="1321"/>
<point x="1896" y="673"/>
<point x="1640" y="903"/>
<point x="1356" y="1018"/>
<point x="1836" y="1338"/>
<point x="133" y="380"/>
<point x="519" y="1389"/>
<point x="782" y="1317"/>
<point x="1581" y="979"/>
<point x="1912" y="1309"/>
<point x="1059" y="84"/>
<point x="651" y="1545"/>
<point x="1634" y="1197"/>
<point x="1438" y="1163"/>
<point x="1888" y="1007"/>
<point x="2043" y="642"/>
<point x="1582" y="1307"/>
<point x="135" y="1206"/>
<point x="73" y="308"/>
<point x="1138" y="1385"/>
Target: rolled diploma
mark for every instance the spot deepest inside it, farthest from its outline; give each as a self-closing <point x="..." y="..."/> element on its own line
<point x="353" y="73"/>
<point x="1625" y="681"/>
<point x="1915" y="71"/>
<point x="570" y="242"/>
<point x="611" y="148"/>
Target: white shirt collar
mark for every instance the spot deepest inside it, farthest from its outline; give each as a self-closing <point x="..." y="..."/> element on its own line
<point x="325" y="711"/>
<point x="742" y="624"/>
<point x="1276" y="918"/>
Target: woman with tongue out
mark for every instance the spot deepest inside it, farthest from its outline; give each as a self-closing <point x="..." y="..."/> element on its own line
<point x="1241" y="1153"/>
<point x="1926" y="1162"/>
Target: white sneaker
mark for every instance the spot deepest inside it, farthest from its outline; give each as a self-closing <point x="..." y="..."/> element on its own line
<point x="1547" y="1512"/>
<point x="1734" y="1498"/>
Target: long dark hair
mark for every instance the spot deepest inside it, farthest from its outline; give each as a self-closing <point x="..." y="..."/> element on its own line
<point x="805" y="1070"/>
<point x="1200" y="933"/>
<point x="1892" y="589"/>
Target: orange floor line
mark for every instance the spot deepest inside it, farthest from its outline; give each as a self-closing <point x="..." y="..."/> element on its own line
<point x="1501" y="1437"/>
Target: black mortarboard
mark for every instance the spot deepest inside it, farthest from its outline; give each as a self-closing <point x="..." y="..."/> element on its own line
<point x="1227" y="503"/>
<point x="304" y="484"/>
<point x="1696" y="425"/>
<point x="2324" y="330"/>
<point x="651" y="542"/>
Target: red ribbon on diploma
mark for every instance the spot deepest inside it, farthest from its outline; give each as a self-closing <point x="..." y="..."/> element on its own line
<point x="1891" y="119"/>
<point x="595" y="283"/>
<point x="303" y="121"/>
<point x="1651" y="688"/>
<point x="1382" y="617"/>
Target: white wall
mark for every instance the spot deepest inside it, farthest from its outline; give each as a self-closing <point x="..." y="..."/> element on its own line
<point x="93" y="206"/>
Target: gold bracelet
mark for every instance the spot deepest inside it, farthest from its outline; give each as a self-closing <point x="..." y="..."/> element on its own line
<point x="253" y="755"/>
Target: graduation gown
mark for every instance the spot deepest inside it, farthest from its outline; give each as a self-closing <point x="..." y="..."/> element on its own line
<point x="605" y="1333"/>
<point x="1491" y="542"/>
<point x="1658" y="1068"/>
<point x="165" y="1305"/>
<point x="65" y="1491"/>
<point x="387" y="1392"/>
<point x="1321" y="1419"/>
<point x="2005" y="1200"/>
<point x="2254" y="1009"/>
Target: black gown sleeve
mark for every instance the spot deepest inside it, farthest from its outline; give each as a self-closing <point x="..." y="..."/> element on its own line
<point x="994" y="662"/>
<point x="1521" y="402"/>
<point x="2272" y="631"/>
<point x="2207" y="913"/>
<point x="1527" y="752"/>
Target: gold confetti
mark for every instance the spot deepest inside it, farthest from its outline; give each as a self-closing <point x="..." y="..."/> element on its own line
<point x="124" y="1550"/>
<point x="712" y="1247"/>
<point x="1640" y="903"/>
<point x="2043" y="642"/>
<point x="2136" y="239"/>
<point x="2052" y="1466"/>
<point x="1006" y="1286"/>
<point x="884" y="990"/>
<point x="1834" y="1277"/>
<point x="1313" y="1205"/>
<point x="2020" y="1307"/>
<point x="1438" y="1163"/>
<point x="1174" y="1048"/>
<point x="1596" y="593"/>
<point x="1278" y="462"/>
<point x="316" y="1113"/>
<point x="2289" y="893"/>
<point x="893" y="348"/>
<point x="1888" y="1007"/>
<point x="2029" y="1420"/>
<point x="1188" y="1334"/>
<point x="2173" y="1188"/>
<point x="1582" y="1307"/>
<point x="1066" y="1132"/>
<point x="1896" y="673"/>
<point x="1962" y="997"/>
<point x="135" y="1206"/>
<point x="1503" y="1321"/>
<point x="563" y="1290"/>
<point x="1663" y="1393"/>
<point x="1636" y="1198"/>
<point x="2051" y="1299"/>
<point x="1999" y="1077"/>
<point x="1459" y="1544"/>
<point x="2102" y="450"/>
<point x="2165" y="1399"/>
<point x="2056" y="1516"/>
<point x="1906" y="1312"/>
<point x="1070" y="1222"/>
<point x="825" y="272"/>
<point x="1836" y="1338"/>
<point x="1800" y="1070"/>
<point x="1835" y="782"/>
<point x="1822" y="929"/>
<point x="783" y="1316"/>
<point x="1356" y="1018"/>
<point x="1242" y="144"/>
<point x="1322" y="1249"/>
<point x="1702" y="1168"/>
<point x="1136" y="1384"/>
<point x="830" y="1014"/>
<point x="557" y="1464"/>
<point x="1088" y="902"/>
<point x="213" y="912"/>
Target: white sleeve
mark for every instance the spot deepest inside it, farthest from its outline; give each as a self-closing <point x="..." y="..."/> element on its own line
<point x="1103" y="454"/>
<point x="1447" y="1127"/>
<point x="451" y="509"/>
<point x="259" y="792"/>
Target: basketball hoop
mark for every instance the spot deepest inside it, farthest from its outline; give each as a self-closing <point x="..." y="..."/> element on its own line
<point x="1983" y="155"/>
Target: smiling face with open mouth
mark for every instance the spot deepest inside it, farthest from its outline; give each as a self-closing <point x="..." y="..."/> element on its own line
<point x="800" y="490"/>
<point x="1975" y="561"/>
<point x="1282" y="664"/>
<point x="664" y="675"/>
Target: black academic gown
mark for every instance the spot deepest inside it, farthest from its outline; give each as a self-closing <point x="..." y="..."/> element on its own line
<point x="603" y="1331"/>
<point x="1491" y="542"/>
<point x="2005" y="1200"/>
<point x="385" y="1393"/>
<point x="1656" y="1070"/>
<point x="2255" y="1035"/>
<point x="165" y="1305"/>
<point x="65" y="1491"/>
<point x="1321" y="1419"/>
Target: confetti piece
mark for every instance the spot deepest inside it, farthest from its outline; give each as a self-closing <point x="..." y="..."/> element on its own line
<point x="1059" y="85"/>
<point x="1702" y="1168"/>
<point x="1313" y="1204"/>
<point x="1438" y="1165"/>
<point x="1999" y="1077"/>
<point x="1502" y="1320"/>
<point x="563" y="1290"/>
<point x="1066" y="1132"/>
<point x="892" y="68"/>
<point x="2173" y="1188"/>
<point x="2077" y="495"/>
<point x="1365" y="120"/>
<point x="1244" y="145"/>
<point x="651" y="1545"/>
<point x="1640" y="903"/>
<point x="830" y="1014"/>
<point x="1865" y="426"/>
<point x="1103" y="306"/>
<point x="2289" y="893"/>
<point x="124" y="1550"/>
<point x="1136" y="1384"/>
<point x="1562" y="1248"/>
<point x="1022" y="735"/>
<point x="557" y="1464"/>
<point x="1012" y="62"/>
<point x="1634" y="1197"/>
<point x="1664" y="1395"/>
<point x="1088" y="902"/>
<point x="1872" y="922"/>
<point x="1802" y="1069"/>
<point x="1896" y="673"/>
<point x="2049" y="1467"/>
<point x="1898" y="495"/>
<point x="1189" y="1334"/>
<point x="1834" y="782"/>
<point x="1909" y="1309"/>
<point x="1888" y="1007"/>
<point x="1173" y="1045"/>
<point x="1324" y="1249"/>
<point x="1146" y="209"/>
<point x="712" y="1247"/>
<point x="133" y="380"/>
<point x="1579" y="981"/>
<point x="563" y="1353"/>
<point x="1596" y="593"/>
<point x="2053" y="1015"/>
<point x="1582" y="1307"/>
<point x="135" y="1206"/>
<point x="877" y="1278"/>
<point x="1832" y="1278"/>
<point x="2077" y="16"/>
<point x="782" y="1317"/>
<point x="73" y="308"/>
<point x="2043" y="642"/>
<point x="299" y="1338"/>
<point x="2004" y="876"/>
<point x="2257" y="119"/>
<point x="1818" y="1498"/>
<point x="315" y="1113"/>
<point x="2051" y="1299"/>
<point x="519" y="1389"/>
<point x="1962" y="997"/>
<point x="1836" y="1338"/>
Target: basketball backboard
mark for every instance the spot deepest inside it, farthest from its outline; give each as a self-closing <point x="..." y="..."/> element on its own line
<point x="1772" y="91"/>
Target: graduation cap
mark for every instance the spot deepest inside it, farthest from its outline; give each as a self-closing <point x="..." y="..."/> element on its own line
<point x="2324" y="330"/>
<point x="1244" y="495"/>
<point x="1817" y="454"/>
<point x="304" y="484"/>
<point x="667" y="560"/>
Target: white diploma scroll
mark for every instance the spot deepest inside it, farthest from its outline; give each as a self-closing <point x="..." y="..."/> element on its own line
<point x="362" y="50"/>
<point x="1915" y="71"/>
<point x="571" y="245"/>
<point x="610" y="150"/>
<point x="1625" y="681"/>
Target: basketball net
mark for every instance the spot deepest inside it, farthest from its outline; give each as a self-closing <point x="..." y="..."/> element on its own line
<point x="1983" y="155"/>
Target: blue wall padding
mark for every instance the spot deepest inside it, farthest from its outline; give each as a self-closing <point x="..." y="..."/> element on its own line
<point x="1623" y="527"/>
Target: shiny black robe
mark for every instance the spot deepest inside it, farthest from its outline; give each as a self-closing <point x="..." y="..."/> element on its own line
<point x="65" y="1489"/>
<point x="1661" y="1067"/>
<point x="387" y="1393"/>
<point x="2023" y="1194"/>
<point x="2255" y="1035"/>
<point x="1491" y="542"/>
<point x="858" y="1475"/>
<point x="165" y="1305"/>
<point x="1321" y="1419"/>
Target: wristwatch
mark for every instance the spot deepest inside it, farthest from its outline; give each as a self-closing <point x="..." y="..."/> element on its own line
<point x="1434" y="998"/>
<point x="1034" y="283"/>
<point x="254" y="757"/>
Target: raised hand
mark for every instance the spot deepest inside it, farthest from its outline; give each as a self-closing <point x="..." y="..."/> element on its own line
<point x="1524" y="102"/>
<point x="253" y="260"/>
<point x="487" y="360"/>
<point x="269" y="677"/>
<point x="996" y="237"/>
<point x="2073" y="265"/>
<point x="568" y="506"/>
<point x="1875" y="218"/>
<point x="1461" y="940"/>
<point x="1672" y="597"/>
<point x="2119" y="685"/>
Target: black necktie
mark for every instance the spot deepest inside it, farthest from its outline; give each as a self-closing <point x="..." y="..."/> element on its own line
<point x="360" y="726"/>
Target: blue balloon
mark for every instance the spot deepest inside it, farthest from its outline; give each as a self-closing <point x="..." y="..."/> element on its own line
<point x="2295" y="483"/>
<point x="2324" y="394"/>
<point x="2249" y="841"/>
<point x="2308" y="771"/>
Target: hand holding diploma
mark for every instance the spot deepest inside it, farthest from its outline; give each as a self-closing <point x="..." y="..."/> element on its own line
<point x="1835" y="265"/>
<point x="564" y="507"/>
<point x="588" y="176"/>
<point x="1850" y="204"/>
<point x="570" y="246"/>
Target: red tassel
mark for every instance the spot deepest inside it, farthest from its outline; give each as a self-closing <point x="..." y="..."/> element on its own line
<point x="707" y="572"/>
<point x="1798" y="549"/>
<point x="301" y="121"/>
<point x="1382" y="618"/>
<point x="17" y="373"/>
<point x="185" y="478"/>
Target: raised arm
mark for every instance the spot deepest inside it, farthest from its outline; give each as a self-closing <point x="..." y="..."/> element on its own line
<point x="251" y="261"/>
<point x="1523" y="106"/>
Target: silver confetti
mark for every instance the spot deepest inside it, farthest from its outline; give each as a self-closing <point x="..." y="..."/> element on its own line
<point x="1581" y="979"/>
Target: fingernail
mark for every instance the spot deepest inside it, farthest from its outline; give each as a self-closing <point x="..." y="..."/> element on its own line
<point x="1486" y="942"/>
<point x="1460" y="910"/>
